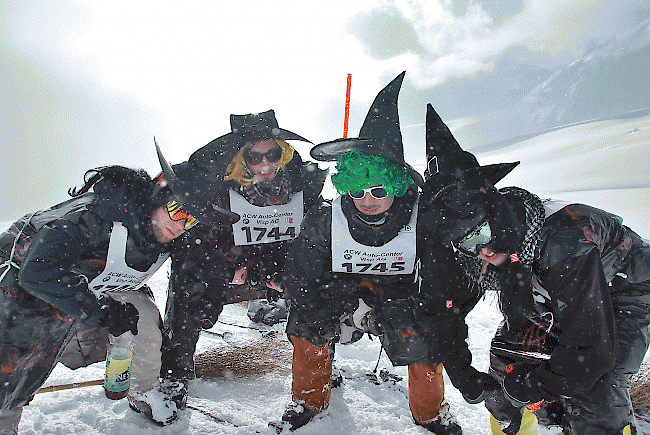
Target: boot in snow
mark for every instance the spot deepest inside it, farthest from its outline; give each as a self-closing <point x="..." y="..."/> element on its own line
<point x="444" y="424"/>
<point x="296" y="415"/>
<point x="176" y="391"/>
<point x="155" y="405"/>
<point x="267" y="312"/>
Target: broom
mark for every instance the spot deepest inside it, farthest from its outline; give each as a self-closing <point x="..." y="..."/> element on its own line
<point x="263" y="356"/>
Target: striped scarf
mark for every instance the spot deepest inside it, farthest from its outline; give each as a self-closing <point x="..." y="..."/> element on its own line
<point x="276" y="192"/>
<point x="486" y="279"/>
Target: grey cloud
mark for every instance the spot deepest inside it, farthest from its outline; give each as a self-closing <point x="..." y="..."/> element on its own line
<point x="500" y="11"/>
<point x="385" y="33"/>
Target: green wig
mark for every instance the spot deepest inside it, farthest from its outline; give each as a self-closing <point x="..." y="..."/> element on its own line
<point x="357" y="171"/>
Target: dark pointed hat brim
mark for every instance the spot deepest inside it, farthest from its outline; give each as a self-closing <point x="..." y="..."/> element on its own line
<point x="251" y="135"/>
<point x="260" y="126"/>
<point x="192" y="190"/>
<point x="331" y="151"/>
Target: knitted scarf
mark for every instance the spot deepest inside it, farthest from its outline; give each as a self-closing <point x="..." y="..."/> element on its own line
<point x="276" y="192"/>
<point x="489" y="280"/>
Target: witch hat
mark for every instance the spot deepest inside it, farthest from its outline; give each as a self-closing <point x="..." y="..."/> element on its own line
<point x="192" y="188"/>
<point x="380" y="133"/>
<point x="218" y="153"/>
<point x="259" y="126"/>
<point x="447" y="162"/>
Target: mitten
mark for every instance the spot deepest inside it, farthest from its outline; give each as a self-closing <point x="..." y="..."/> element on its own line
<point x="118" y="317"/>
<point x="518" y="386"/>
<point x="480" y="387"/>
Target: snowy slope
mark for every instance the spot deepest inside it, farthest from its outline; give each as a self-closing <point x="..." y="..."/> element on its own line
<point x="605" y="81"/>
<point x="603" y="164"/>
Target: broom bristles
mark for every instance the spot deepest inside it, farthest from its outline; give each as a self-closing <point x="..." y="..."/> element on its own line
<point x="264" y="356"/>
<point x="640" y="389"/>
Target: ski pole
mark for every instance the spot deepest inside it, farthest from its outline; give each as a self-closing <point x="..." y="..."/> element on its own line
<point x="347" y="106"/>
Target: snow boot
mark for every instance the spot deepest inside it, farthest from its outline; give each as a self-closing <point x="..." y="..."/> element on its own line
<point x="267" y="312"/>
<point x="296" y="415"/>
<point x="176" y="391"/>
<point x="155" y="405"/>
<point x="444" y="424"/>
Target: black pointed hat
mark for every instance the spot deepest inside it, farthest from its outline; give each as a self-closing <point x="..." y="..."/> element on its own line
<point x="194" y="190"/>
<point x="380" y="133"/>
<point x="447" y="162"/>
<point x="461" y="193"/>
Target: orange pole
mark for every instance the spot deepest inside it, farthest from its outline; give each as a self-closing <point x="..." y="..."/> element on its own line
<point x="347" y="106"/>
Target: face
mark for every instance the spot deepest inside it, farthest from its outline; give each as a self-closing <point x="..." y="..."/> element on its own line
<point x="164" y="228"/>
<point x="371" y="206"/>
<point x="494" y="258"/>
<point x="264" y="171"/>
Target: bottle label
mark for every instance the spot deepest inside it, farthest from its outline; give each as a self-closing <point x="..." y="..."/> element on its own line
<point x="118" y="370"/>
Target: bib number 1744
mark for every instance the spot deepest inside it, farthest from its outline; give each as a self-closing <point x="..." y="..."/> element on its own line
<point x="258" y="233"/>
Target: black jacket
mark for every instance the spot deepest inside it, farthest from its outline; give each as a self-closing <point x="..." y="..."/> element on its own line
<point x="201" y="271"/>
<point x="594" y="269"/>
<point x="58" y="251"/>
<point x="318" y="295"/>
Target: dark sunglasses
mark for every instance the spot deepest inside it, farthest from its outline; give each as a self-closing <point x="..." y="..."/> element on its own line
<point x="477" y="238"/>
<point x="254" y="158"/>
<point x="377" y="192"/>
<point x="176" y="213"/>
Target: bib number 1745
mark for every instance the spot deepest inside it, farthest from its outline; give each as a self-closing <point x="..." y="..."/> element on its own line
<point x="395" y="266"/>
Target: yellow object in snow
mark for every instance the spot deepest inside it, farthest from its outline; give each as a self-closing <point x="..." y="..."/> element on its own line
<point x="627" y="430"/>
<point x="528" y="424"/>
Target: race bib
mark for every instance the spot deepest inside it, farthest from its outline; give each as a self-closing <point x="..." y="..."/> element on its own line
<point x="397" y="257"/>
<point x="117" y="275"/>
<point x="267" y="224"/>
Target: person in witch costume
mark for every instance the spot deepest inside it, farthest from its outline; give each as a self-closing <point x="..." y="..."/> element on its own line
<point x="338" y="294"/>
<point x="268" y="184"/>
<point x="59" y="299"/>
<point x="573" y="285"/>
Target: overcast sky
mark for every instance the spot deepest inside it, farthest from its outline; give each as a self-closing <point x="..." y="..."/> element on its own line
<point x="89" y="83"/>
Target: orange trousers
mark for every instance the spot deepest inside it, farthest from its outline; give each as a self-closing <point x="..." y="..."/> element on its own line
<point x="312" y="381"/>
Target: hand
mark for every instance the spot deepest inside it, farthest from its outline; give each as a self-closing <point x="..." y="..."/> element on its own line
<point x="273" y="292"/>
<point x="118" y="317"/>
<point x="240" y="276"/>
<point x="480" y="388"/>
<point x="518" y="386"/>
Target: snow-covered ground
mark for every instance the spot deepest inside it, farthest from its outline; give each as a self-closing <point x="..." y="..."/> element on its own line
<point x="604" y="164"/>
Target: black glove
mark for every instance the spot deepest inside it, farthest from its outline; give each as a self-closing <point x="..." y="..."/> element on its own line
<point x="479" y="388"/>
<point x="118" y="317"/>
<point x="519" y="386"/>
<point x="273" y="295"/>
